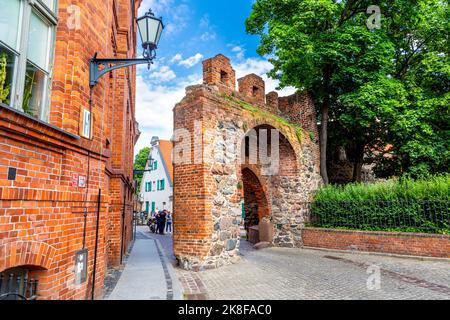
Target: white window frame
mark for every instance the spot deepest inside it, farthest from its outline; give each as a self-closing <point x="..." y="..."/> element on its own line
<point x="86" y="124"/>
<point x="18" y="83"/>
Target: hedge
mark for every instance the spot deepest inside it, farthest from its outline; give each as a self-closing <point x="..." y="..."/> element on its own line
<point x="395" y="205"/>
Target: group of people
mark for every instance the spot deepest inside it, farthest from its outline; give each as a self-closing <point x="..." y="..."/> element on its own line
<point x="160" y="221"/>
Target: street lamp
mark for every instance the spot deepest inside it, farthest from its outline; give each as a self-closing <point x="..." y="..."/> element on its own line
<point x="150" y="29"/>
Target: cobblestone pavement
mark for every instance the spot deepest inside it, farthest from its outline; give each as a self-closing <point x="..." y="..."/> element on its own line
<point x="282" y="273"/>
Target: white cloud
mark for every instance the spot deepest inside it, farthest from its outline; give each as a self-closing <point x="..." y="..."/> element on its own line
<point x="176" y="58"/>
<point x="240" y="52"/>
<point x="204" y="21"/>
<point x="175" y="17"/>
<point x="157" y="6"/>
<point x="162" y="74"/>
<point x="208" y="36"/>
<point x="191" y="61"/>
<point x="154" y="105"/>
<point x="208" y="32"/>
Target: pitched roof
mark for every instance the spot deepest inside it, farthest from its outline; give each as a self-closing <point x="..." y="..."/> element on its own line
<point x="165" y="148"/>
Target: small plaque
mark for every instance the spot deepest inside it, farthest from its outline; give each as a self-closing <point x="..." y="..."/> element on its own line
<point x="81" y="258"/>
<point x="82" y="181"/>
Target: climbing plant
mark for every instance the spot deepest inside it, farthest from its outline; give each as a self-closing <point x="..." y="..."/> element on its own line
<point x="4" y="88"/>
<point x="28" y="92"/>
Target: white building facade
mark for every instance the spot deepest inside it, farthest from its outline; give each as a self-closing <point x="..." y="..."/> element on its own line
<point x="157" y="185"/>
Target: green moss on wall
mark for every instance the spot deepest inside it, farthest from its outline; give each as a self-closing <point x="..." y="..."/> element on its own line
<point x="259" y="113"/>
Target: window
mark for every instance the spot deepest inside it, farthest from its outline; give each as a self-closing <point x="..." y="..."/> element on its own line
<point x="224" y="77"/>
<point x="155" y="165"/>
<point x="153" y="206"/>
<point x="255" y="91"/>
<point x="147" y="206"/>
<point x="148" y="186"/>
<point x="27" y="36"/>
<point x="161" y="184"/>
<point x="16" y="284"/>
<point x="86" y="124"/>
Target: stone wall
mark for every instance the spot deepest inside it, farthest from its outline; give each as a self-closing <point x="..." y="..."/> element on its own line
<point x="211" y="124"/>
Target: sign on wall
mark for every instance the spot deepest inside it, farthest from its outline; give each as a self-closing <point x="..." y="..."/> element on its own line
<point x="86" y="124"/>
<point x="82" y="181"/>
<point x="81" y="258"/>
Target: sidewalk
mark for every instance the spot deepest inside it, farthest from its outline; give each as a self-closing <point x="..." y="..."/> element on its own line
<point x="148" y="275"/>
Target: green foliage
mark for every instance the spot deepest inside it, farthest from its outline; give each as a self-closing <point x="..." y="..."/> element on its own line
<point x="28" y="92"/>
<point x="434" y="187"/>
<point x="4" y="89"/>
<point x="405" y="205"/>
<point x="386" y="86"/>
<point x="140" y="161"/>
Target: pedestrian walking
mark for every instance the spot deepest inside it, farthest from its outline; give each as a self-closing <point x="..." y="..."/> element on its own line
<point x="158" y="221"/>
<point x="162" y="221"/>
<point x="169" y="222"/>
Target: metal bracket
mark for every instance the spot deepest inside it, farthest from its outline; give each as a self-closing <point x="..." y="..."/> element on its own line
<point x="111" y="64"/>
<point x="135" y="171"/>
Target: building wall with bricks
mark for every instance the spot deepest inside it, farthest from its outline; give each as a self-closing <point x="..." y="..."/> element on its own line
<point x="213" y="170"/>
<point x="45" y="216"/>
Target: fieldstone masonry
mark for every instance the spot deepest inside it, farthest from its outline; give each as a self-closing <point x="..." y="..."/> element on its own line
<point x="216" y="179"/>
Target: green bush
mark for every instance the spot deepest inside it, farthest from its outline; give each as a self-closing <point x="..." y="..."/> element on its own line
<point x="396" y="205"/>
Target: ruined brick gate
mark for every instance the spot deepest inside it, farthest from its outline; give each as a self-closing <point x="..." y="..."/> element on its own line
<point x="219" y="172"/>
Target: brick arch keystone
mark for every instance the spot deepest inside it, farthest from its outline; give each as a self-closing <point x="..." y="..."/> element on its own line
<point x="26" y="253"/>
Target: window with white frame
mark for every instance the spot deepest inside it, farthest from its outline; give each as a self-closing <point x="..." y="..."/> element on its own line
<point x="27" y="37"/>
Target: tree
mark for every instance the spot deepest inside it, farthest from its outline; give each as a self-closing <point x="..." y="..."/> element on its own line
<point x="364" y="80"/>
<point x="140" y="161"/>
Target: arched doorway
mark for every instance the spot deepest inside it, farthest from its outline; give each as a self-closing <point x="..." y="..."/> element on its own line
<point x="255" y="205"/>
<point x="269" y="163"/>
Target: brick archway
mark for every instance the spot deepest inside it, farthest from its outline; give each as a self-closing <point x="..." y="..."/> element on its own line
<point x="209" y="190"/>
<point x="26" y="253"/>
<point x="256" y="206"/>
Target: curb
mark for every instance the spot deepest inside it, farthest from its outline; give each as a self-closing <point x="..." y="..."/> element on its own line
<point x="385" y="254"/>
<point x="177" y="290"/>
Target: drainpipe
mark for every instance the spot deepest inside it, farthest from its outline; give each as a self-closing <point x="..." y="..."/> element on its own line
<point x="123" y="225"/>
<point x="96" y="243"/>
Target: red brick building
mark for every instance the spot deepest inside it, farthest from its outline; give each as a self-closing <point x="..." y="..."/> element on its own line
<point x="52" y="163"/>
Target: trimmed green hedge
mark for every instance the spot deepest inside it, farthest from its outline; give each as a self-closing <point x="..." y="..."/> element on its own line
<point x="396" y="205"/>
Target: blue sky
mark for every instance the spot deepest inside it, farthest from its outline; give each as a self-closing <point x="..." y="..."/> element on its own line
<point x="195" y="30"/>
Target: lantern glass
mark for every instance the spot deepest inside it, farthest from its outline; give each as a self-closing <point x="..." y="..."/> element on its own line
<point x="150" y="29"/>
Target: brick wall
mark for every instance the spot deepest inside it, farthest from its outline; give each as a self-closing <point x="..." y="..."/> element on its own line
<point x="42" y="214"/>
<point x="416" y="244"/>
<point x="252" y="88"/>
<point x="209" y="190"/>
